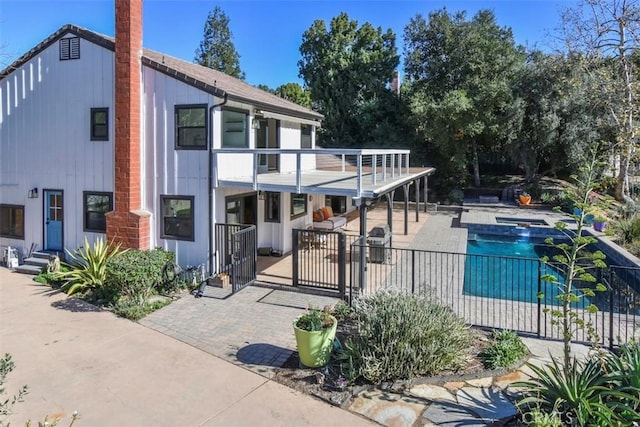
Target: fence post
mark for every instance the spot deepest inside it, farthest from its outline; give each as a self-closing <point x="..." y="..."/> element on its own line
<point x="295" y="256"/>
<point x="539" y="299"/>
<point x="609" y="285"/>
<point x="342" y="263"/>
<point x="413" y="271"/>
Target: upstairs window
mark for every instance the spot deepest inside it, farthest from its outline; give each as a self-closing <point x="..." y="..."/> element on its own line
<point x="191" y="127"/>
<point x="99" y="124"/>
<point x="12" y="221"/>
<point x="69" y="48"/>
<point x="95" y="206"/>
<point x="305" y="136"/>
<point x="234" y="129"/>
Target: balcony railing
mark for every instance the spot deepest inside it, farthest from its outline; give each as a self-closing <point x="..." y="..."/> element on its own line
<point x="374" y="166"/>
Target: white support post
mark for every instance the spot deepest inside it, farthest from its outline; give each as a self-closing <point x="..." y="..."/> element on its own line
<point x="343" y="162"/>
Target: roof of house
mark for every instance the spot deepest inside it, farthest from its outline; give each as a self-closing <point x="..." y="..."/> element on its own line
<point x="203" y="78"/>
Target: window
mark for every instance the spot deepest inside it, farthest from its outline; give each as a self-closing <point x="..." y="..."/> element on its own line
<point x="298" y="205"/>
<point x="99" y="124"/>
<point x="95" y="205"/>
<point x="191" y="127"/>
<point x="69" y="48"/>
<point x="177" y="217"/>
<point x="272" y="207"/>
<point x="234" y="129"/>
<point x="12" y="221"/>
<point x="338" y="203"/>
<point x="305" y="136"/>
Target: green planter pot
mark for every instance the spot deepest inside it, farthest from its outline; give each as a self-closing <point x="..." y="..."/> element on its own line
<point x="315" y="347"/>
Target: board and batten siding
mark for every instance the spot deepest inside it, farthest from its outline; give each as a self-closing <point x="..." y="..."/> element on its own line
<point x="45" y="139"/>
<point x="167" y="171"/>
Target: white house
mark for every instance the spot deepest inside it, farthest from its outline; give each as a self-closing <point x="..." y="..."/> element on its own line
<point x="100" y="137"/>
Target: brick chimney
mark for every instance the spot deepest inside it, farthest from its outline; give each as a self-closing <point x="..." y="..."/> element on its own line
<point x="128" y="223"/>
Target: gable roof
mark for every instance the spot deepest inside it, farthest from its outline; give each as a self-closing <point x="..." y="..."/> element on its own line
<point x="206" y="79"/>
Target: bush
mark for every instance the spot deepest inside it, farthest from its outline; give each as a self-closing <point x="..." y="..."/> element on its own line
<point x="132" y="310"/>
<point x="403" y="336"/>
<point x="627" y="228"/>
<point x="133" y="275"/>
<point x="507" y="348"/>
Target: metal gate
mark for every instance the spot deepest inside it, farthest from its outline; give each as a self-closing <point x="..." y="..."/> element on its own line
<point x="236" y="253"/>
<point x="321" y="259"/>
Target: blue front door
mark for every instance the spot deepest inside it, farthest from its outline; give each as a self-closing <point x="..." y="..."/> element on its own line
<point x="53" y="216"/>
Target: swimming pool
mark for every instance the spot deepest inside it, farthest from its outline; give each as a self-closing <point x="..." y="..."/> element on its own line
<point x="508" y="267"/>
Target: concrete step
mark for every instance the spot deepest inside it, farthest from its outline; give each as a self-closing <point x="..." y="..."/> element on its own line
<point x="47" y="255"/>
<point x="37" y="262"/>
<point x="29" y="269"/>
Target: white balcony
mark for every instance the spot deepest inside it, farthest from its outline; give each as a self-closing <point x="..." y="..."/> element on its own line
<point x="356" y="173"/>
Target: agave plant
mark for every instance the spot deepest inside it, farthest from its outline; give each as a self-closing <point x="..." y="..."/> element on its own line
<point x="87" y="266"/>
<point x="601" y="391"/>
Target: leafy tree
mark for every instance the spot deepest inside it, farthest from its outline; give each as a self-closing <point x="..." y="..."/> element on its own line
<point x="346" y="68"/>
<point x="295" y="93"/>
<point x="553" y="120"/>
<point x="216" y="49"/>
<point x="265" y="88"/>
<point x="606" y="35"/>
<point x="461" y="73"/>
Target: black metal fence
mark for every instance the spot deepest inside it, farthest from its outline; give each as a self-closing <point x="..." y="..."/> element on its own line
<point x="236" y="253"/>
<point x="501" y="292"/>
<point x="321" y="259"/>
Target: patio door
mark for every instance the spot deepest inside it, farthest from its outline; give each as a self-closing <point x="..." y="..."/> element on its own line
<point x="53" y="219"/>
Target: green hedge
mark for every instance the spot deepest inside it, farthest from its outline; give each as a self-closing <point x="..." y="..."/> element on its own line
<point x="135" y="273"/>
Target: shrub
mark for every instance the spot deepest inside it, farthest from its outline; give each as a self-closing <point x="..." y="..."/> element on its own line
<point x="7" y="403"/>
<point x="132" y="310"/>
<point x="627" y="228"/>
<point x="87" y="269"/>
<point x="134" y="274"/>
<point x="506" y="349"/>
<point x="403" y="336"/>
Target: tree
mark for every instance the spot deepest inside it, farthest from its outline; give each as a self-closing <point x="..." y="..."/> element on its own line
<point x="461" y="73"/>
<point x="217" y="50"/>
<point x="553" y="120"/>
<point x="265" y="88"/>
<point x="606" y="34"/>
<point x="295" y="93"/>
<point x="346" y="68"/>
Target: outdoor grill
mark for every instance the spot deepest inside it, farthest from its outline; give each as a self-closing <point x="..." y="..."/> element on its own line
<point x="379" y="242"/>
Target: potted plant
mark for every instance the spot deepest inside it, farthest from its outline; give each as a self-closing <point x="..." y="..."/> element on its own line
<point x="315" y="331"/>
<point x="599" y="223"/>
<point x="525" y="198"/>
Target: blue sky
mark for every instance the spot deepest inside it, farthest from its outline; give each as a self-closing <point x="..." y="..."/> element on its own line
<point x="267" y="33"/>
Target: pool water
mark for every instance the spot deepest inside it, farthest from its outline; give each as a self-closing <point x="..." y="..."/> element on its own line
<point x="508" y="267"/>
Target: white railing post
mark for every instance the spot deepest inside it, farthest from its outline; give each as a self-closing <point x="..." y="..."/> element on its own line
<point x="359" y="178"/>
<point x="255" y="170"/>
<point x="384" y="167"/>
<point x="343" y="162"/>
<point x="298" y="172"/>
<point x="374" y="165"/>
<point x="406" y="156"/>
<point x="393" y="165"/>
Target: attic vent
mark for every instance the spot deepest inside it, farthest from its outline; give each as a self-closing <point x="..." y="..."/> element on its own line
<point x="70" y="48"/>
